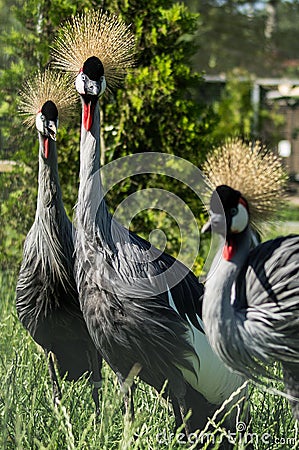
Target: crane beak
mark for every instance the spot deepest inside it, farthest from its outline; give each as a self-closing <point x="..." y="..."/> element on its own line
<point x="51" y="129"/>
<point x="86" y="86"/>
<point x="216" y="223"/>
<point x="93" y="88"/>
<point x="92" y="91"/>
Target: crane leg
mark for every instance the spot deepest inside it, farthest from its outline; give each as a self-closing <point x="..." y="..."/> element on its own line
<point x="180" y="412"/>
<point x="129" y="402"/>
<point x="55" y="384"/>
<point x="177" y="413"/>
<point x="127" y="389"/>
<point x="96" y="379"/>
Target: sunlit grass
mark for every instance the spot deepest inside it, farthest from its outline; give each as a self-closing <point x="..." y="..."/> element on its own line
<point x="29" y="421"/>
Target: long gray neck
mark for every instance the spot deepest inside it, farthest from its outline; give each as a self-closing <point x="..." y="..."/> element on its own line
<point x="90" y="149"/>
<point x="91" y="204"/>
<point x="50" y="242"/>
<point x="220" y="319"/>
<point x="49" y="191"/>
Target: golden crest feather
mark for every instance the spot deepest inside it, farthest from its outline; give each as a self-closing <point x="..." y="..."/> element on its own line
<point x="44" y="86"/>
<point x="95" y="33"/>
<point x="249" y="168"/>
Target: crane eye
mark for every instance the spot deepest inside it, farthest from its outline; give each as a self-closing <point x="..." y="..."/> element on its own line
<point x="83" y="77"/>
<point x="233" y="212"/>
<point x="43" y="118"/>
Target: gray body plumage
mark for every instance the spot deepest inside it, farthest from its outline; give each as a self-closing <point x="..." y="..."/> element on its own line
<point x="46" y="294"/>
<point x="251" y="308"/>
<point x="112" y="270"/>
<point x="271" y="292"/>
<point x="123" y="285"/>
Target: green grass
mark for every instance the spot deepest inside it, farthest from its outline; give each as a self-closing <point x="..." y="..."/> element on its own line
<point x="29" y="421"/>
<point x="290" y="212"/>
<point x="286" y="222"/>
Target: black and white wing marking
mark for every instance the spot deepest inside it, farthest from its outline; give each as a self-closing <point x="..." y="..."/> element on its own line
<point x="269" y="288"/>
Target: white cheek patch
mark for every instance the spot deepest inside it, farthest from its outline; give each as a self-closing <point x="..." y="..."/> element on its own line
<point x="39" y="123"/>
<point x="79" y="84"/>
<point x="240" y="220"/>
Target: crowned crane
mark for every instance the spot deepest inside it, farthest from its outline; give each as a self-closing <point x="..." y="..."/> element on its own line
<point x="139" y="303"/>
<point x="46" y="295"/>
<point x="251" y="299"/>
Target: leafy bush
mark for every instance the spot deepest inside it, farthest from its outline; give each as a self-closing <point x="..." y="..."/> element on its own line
<point x="153" y="111"/>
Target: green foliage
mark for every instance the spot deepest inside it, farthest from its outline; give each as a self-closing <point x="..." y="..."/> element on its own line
<point x="17" y="210"/>
<point x="258" y="36"/>
<point x="154" y="110"/>
<point x="237" y="117"/>
<point x="290" y="213"/>
<point x="234" y="107"/>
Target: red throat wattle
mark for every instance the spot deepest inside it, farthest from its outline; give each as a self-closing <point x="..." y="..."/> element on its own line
<point x="88" y="112"/>
<point x="46" y="147"/>
<point x="229" y="250"/>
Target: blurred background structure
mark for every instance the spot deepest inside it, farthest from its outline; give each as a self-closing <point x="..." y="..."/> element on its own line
<point x="257" y="43"/>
